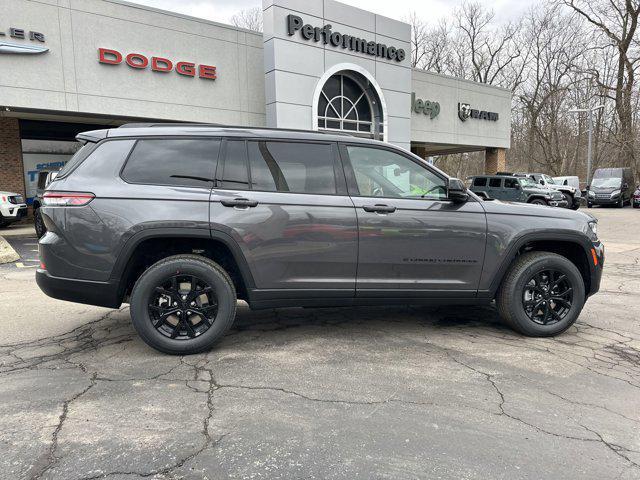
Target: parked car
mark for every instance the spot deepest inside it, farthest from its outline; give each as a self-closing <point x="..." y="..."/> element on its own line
<point x="12" y="208"/>
<point x="181" y="220"/>
<point x="635" y="202"/>
<point x="610" y="186"/>
<point x="571" y="194"/>
<point x="507" y="187"/>
<point x="45" y="177"/>
<point x="572" y="181"/>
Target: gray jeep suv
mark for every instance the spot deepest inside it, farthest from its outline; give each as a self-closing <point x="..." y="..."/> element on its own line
<point x="181" y="220"/>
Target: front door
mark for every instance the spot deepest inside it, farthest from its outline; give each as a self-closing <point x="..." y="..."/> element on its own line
<point x="288" y="210"/>
<point x="413" y="241"/>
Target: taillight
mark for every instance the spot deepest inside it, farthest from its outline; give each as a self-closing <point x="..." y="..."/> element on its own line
<point x="4" y="199"/>
<point x="66" y="199"/>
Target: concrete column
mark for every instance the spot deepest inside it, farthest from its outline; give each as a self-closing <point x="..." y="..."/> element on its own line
<point x="11" y="169"/>
<point x="495" y="160"/>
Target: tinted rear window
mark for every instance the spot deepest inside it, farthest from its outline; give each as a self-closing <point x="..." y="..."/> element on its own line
<point x="480" y="182"/>
<point x="235" y="175"/>
<point x="77" y="159"/>
<point x="510" y="182"/>
<point x="495" y="182"/>
<point x="185" y="162"/>
<point x="292" y="167"/>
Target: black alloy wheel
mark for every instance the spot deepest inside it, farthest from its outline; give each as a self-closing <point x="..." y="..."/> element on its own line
<point x="38" y="224"/>
<point x="183" y="307"/>
<point x="183" y="304"/>
<point x="547" y="297"/>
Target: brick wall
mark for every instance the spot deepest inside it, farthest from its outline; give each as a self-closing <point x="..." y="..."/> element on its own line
<point x="495" y="160"/>
<point x="11" y="170"/>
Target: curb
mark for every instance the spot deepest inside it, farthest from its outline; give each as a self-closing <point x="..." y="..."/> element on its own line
<point x="7" y="253"/>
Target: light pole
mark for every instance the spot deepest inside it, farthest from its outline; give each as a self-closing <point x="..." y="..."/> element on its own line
<point x="590" y="127"/>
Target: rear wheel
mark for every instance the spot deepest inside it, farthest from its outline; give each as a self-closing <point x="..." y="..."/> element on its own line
<point x="183" y="304"/>
<point x="542" y="294"/>
<point x="38" y="223"/>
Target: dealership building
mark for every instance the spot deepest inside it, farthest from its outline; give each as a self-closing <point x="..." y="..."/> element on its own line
<point x="72" y="65"/>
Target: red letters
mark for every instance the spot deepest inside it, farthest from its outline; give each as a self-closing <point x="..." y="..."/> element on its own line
<point x="208" y="71"/>
<point x="186" y="68"/>
<point x="158" y="64"/>
<point x="136" y="60"/>
<point x="102" y="56"/>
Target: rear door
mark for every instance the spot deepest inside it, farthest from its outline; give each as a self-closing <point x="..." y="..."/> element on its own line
<point x="495" y="188"/>
<point x="285" y="204"/>
<point x="511" y="189"/>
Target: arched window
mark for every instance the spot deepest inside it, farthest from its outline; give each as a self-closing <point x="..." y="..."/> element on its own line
<point x="349" y="103"/>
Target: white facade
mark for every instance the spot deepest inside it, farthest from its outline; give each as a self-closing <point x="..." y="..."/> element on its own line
<point x="108" y="62"/>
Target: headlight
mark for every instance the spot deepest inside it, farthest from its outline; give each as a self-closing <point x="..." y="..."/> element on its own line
<point x="615" y="193"/>
<point x="591" y="194"/>
<point x="593" y="229"/>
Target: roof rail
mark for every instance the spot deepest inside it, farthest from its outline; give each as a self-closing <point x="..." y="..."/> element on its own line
<point x="221" y="125"/>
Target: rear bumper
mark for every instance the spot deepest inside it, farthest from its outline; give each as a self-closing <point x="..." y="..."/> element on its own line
<point x="102" y="294"/>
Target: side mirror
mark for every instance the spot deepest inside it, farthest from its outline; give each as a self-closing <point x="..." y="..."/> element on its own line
<point x="457" y="191"/>
<point x="625" y="186"/>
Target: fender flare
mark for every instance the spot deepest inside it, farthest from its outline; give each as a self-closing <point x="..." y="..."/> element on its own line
<point x="125" y="253"/>
<point x="561" y="236"/>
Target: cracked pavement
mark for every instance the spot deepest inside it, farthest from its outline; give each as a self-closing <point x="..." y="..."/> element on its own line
<point x="402" y="392"/>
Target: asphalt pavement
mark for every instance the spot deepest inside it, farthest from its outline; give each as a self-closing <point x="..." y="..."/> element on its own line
<point x="354" y="393"/>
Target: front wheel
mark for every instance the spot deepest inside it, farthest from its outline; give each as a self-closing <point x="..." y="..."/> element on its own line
<point x="541" y="295"/>
<point x="538" y="201"/>
<point x="621" y="202"/>
<point x="183" y="304"/>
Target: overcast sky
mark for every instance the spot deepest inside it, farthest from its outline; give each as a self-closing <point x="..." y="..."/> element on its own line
<point x="430" y="10"/>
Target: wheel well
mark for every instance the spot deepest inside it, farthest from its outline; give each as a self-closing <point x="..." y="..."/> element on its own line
<point x="535" y="197"/>
<point x="570" y="250"/>
<point x="153" y="250"/>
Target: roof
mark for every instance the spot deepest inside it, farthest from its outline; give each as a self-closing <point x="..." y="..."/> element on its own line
<point x="209" y="130"/>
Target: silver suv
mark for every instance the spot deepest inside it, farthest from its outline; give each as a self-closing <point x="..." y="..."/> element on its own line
<point x="181" y="220"/>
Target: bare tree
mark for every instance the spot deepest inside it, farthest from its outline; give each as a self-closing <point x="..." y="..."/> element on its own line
<point x="616" y="22"/>
<point x="250" y="18"/>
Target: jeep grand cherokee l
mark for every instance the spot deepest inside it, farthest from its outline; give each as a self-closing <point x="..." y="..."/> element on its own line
<point x="181" y="220"/>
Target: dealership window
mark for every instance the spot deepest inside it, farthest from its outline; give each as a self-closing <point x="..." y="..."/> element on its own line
<point x="382" y="173"/>
<point x="184" y="162"/>
<point x="292" y="167"/>
<point x="348" y="103"/>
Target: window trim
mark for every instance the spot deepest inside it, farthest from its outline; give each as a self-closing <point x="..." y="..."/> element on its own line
<point x="340" y="181"/>
<point x="172" y="137"/>
<point x="352" y="183"/>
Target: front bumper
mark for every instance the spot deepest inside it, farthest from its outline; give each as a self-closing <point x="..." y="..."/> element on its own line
<point x="603" y="201"/>
<point x="559" y="203"/>
<point x="102" y="294"/>
<point x="11" y="213"/>
<point x="597" y="266"/>
<point x="636" y="201"/>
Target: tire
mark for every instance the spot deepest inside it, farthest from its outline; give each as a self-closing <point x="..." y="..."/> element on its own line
<point x="589" y="205"/>
<point x="538" y="201"/>
<point x="38" y="223"/>
<point x="511" y="294"/>
<point x="145" y="288"/>
<point x="621" y="202"/>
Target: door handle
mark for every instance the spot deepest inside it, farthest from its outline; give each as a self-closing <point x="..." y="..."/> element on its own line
<point x="379" y="208"/>
<point x="239" y="202"/>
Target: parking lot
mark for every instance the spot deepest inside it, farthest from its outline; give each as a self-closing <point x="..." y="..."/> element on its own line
<point x="403" y="392"/>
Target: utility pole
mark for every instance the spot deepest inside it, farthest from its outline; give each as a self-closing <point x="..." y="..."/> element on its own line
<point x="590" y="130"/>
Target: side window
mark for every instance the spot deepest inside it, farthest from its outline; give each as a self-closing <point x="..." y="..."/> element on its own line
<point x="292" y="167"/>
<point x="480" y="182"/>
<point x="510" y="183"/>
<point x="185" y="162"/>
<point x="236" y="174"/>
<point x="495" y="182"/>
<point x="382" y="173"/>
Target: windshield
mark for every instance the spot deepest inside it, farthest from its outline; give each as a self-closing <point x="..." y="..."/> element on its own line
<point x="549" y="180"/>
<point x="606" y="182"/>
<point x="527" y="182"/>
